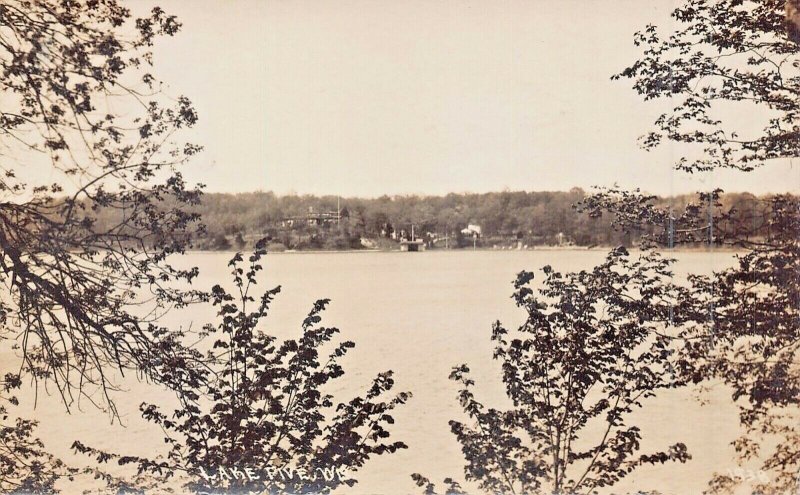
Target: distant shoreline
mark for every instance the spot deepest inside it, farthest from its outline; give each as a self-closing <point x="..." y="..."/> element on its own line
<point x="682" y="249"/>
<point x="508" y="218"/>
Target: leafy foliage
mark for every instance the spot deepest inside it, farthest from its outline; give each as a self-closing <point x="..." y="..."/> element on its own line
<point x="725" y="54"/>
<point x="745" y="329"/>
<point x="746" y="53"/>
<point x="594" y="346"/>
<point x="711" y="218"/>
<point x="745" y="333"/>
<point x="260" y="405"/>
<point x="25" y="467"/>
<point x="71" y="283"/>
<point x="751" y="340"/>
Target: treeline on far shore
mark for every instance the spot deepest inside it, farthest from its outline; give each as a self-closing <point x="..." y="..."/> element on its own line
<point x="495" y="219"/>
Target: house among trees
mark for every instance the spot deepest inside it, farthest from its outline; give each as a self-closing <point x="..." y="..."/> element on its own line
<point x="472" y="230"/>
<point x="319" y="219"/>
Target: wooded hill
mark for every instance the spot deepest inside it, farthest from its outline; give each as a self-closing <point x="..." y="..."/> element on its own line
<point x="235" y="221"/>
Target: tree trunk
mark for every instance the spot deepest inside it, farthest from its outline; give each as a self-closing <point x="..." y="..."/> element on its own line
<point x="793" y="20"/>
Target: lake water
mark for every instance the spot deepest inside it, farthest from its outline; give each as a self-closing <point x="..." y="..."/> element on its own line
<point x="418" y="314"/>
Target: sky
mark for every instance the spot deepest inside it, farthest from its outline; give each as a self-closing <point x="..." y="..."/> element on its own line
<point x="369" y="97"/>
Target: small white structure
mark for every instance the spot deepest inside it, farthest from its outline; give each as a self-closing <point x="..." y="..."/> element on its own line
<point x="473" y="230"/>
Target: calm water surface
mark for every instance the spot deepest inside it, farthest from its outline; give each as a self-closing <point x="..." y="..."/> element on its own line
<point x="418" y="314"/>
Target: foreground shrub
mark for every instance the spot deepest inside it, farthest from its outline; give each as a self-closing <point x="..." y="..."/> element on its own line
<point x="255" y="416"/>
<point x="592" y="348"/>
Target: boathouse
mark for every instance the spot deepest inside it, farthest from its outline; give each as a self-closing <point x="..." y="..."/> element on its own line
<point x="415" y="245"/>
